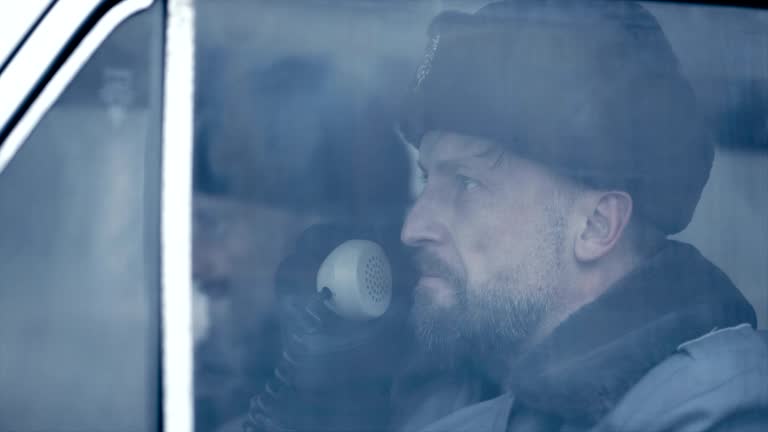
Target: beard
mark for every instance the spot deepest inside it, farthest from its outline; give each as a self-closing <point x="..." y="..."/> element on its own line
<point x="488" y="322"/>
<point x="439" y="328"/>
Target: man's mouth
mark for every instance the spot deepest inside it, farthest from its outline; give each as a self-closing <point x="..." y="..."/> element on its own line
<point x="430" y="266"/>
<point x="437" y="289"/>
<point x="437" y="280"/>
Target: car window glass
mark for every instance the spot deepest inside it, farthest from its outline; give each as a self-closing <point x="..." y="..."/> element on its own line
<point x="79" y="256"/>
<point x="299" y="146"/>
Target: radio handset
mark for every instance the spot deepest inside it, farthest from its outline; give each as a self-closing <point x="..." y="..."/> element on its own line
<point x="353" y="282"/>
<point x="358" y="275"/>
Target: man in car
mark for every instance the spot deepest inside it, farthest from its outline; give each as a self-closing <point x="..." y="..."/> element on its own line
<point x="560" y="146"/>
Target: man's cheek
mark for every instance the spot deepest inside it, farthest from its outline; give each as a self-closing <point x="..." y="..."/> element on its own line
<point x="479" y="249"/>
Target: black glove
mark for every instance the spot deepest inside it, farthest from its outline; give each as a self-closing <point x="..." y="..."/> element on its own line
<point x="334" y="374"/>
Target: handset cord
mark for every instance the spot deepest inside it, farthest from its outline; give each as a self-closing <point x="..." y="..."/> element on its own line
<point x="262" y="405"/>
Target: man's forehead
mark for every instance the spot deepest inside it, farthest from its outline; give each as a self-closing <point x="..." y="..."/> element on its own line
<point x="443" y="146"/>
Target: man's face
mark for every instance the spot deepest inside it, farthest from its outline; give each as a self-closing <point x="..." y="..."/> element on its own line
<point x="237" y="248"/>
<point x="489" y="234"/>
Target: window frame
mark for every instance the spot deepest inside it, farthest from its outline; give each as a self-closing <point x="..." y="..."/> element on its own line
<point x="176" y="217"/>
<point x="48" y="61"/>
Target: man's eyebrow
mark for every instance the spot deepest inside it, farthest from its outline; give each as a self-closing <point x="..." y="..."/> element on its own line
<point x="453" y="164"/>
<point x="450" y="166"/>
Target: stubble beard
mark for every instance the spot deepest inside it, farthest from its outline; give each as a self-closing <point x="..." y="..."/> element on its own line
<point x="438" y="328"/>
<point x="490" y="322"/>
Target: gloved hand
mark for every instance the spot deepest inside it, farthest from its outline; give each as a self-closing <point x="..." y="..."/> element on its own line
<point x="334" y="374"/>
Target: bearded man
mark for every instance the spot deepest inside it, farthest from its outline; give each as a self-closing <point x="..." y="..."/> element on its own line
<point x="560" y="146"/>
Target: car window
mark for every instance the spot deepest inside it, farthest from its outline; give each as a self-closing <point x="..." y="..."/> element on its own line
<point x="79" y="303"/>
<point x="302" y="141"/>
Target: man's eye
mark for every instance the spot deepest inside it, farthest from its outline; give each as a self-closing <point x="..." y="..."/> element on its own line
<point x="467" y="183"/>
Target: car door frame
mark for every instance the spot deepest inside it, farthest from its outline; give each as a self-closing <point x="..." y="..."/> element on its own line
<point x="33" y="79"/>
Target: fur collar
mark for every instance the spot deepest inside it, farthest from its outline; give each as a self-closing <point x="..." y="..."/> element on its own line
<point x="589" y="362"/>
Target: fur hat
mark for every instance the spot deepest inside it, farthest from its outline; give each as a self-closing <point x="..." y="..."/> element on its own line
<point x="591" y="89"/>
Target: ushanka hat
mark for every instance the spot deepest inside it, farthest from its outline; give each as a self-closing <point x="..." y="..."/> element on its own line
<point x="591" y="89"/>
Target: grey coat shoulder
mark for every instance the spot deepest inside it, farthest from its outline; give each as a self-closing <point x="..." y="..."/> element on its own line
<point x="718" y="378"/>
<point x="716" y="382"/>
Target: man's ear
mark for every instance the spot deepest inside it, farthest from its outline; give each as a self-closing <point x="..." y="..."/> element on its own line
<point x="608" y="215"/>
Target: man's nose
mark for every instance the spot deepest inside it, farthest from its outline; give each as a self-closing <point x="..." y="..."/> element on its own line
<point x="422" y="225"/>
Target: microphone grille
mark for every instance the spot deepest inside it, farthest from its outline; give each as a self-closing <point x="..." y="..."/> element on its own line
<point x="358" y="274"/>
<point x="377" y="279"/>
